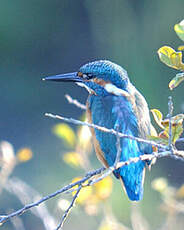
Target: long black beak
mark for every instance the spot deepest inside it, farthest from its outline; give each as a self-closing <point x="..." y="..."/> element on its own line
<point x="67" y="77"/>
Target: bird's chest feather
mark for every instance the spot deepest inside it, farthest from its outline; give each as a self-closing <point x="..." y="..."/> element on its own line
<point x="112" y="112"/>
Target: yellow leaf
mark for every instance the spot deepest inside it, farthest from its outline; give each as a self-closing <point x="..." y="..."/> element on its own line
<point x="73" y="159"/>
<point x="179" y="29"/>
<point x="177" y="130"/>
<point x="165" y="123"/>
<point x="84" y="194"/>
<point x="177" y="126"/>
<point x="181" y="48"/>
<point x="84" y="140"/>
<point x="65" y="132"/>
<point x="180" y="192"/>
<point x="106" y="226"/>
<point x="178" y="119"/>
<point x="176" y="81"/>
<point x="153" y="131"/>
<point x="103" y="188"/>
<point x="171" y="58"/>
<point x="24" y="155"/>
<point x="163" y="135"/>
<point x="159" y="184"/>
<point x="157" y="117"/>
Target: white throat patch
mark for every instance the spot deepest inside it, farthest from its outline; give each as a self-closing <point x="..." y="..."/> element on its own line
<point x="85" y="86"/>
<point x="110" y="88"/>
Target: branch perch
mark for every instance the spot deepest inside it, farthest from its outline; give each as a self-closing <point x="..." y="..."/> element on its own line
<point x="106" y="130"/>
<point x="4" y="218"/>
<point x="60" y="225"/>
<point x="103" y="172"/>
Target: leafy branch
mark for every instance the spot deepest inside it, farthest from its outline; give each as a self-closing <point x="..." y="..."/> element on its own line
<point x="173" y="58"/>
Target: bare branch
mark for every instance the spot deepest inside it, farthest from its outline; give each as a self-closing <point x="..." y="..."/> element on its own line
<point x="4" y="218"/>
<point x="75" y="102"/>
<point x="69" y="208"/>
<point x="170" y="112"/>
<point x="90" y="176"/>
<point x="106" y="130"/>
<point x="26" y="194"/>
<point x="130" y="161"/>
<point x="118" y="147"/>
<point x="8" y="162"/>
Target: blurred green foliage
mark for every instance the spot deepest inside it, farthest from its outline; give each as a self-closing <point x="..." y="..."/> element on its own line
<point x="43" y="37"/>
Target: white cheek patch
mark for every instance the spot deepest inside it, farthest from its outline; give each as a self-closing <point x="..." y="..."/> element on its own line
<point x="85" y="86"/>
<point x="110" y="88"/>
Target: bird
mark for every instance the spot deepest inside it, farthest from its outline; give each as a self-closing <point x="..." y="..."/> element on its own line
<point x="115" y="103"/>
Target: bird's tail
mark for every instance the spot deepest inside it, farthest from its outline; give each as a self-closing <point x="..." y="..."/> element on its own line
<point x="132" y="178"/>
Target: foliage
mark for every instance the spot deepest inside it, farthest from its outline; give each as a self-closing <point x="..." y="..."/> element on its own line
<point x="177" y="127"/>
<point x="66" y="133"/>
<point x="173" y="58"/>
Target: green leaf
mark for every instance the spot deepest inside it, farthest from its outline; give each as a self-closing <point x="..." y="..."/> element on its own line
<point x="177" y="126"/>
<point x="176" y="81"/>
<point x="171" y="58"/>
<point x="178" y="119"/>
<point x="158" y="117"/>
<point x="176" y="131"/>
<point x="179" y="29"/>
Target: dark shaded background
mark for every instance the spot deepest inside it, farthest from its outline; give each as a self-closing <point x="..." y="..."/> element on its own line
<point x="43" y="37"/>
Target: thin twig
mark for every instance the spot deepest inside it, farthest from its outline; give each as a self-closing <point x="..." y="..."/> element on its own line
<point x="170" y="112"/>
<point x="118" y="147"/>
<point x="106" y="130"/>
<point x="4" y="218"/>
<point x="26" y="194"/>
<point x="123" y="163"/>
<point x="75" y="102"/>
<point x="60" y="225"/>
<point x="8" y="163"/>
<point x="178" y="154"/>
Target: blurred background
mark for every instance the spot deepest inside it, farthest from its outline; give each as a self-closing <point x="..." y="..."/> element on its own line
<point x="40" y="38"/>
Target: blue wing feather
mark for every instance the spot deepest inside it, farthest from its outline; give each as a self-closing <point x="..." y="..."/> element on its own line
<point x="117" y="112"/>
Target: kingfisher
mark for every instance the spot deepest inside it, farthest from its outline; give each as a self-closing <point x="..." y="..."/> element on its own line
<point x="114" y="103"/>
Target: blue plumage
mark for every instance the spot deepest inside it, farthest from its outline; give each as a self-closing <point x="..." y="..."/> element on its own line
<point x="116" y="112"/>
<point x="115" y="103"/>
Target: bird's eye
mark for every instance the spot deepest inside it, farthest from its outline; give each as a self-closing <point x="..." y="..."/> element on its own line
<point x="89" y="75"/>
<point x="86" y="76"/>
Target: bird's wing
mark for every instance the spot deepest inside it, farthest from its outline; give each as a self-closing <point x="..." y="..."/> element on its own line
<point x="117" y="112"/>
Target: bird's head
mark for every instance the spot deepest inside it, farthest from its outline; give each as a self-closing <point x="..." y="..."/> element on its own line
<point x="99" y="77"/>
